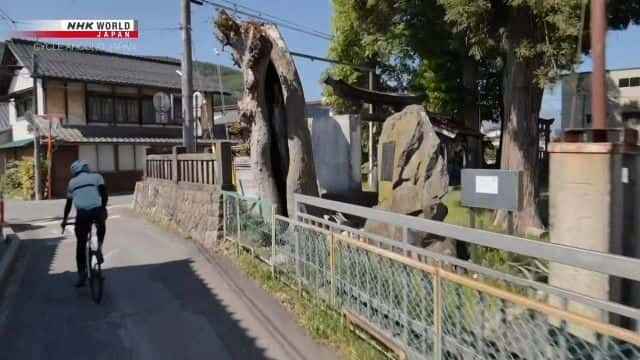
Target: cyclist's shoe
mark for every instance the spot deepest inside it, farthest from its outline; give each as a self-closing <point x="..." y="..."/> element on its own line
<point x="99" y="257"/>
<point x="81" y="280"/>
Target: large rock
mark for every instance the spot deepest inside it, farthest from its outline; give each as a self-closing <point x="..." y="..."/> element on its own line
<point x="413" y="176"/>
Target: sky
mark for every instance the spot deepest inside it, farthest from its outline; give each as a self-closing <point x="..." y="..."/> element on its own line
<point x="159" y="19"/>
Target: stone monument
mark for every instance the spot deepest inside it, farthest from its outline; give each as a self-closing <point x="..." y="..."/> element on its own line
<point x="413" y="177"/>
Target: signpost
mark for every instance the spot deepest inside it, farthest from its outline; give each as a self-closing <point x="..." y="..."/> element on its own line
<point x="492" y="189"/>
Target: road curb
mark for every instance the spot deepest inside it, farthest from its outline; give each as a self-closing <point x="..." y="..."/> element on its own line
<point x="9" y="256"/>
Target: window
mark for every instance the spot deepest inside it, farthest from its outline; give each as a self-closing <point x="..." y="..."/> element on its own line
<point x="588" y="118"/>
<point x="140" y="157"/>
<point x="106" y="158"/>
<point x="126" y="158"/>
<point x="176" y="103"/>
<point x="100" y="108"/>
<point x="623" y="82"/>
<point x="23" y="105"/>
<point x="102" y="158"/>
<point x="631" y="117"/>
<point x="88" y="154"/>
<point x="634" y="81"/>
<point x="126" y="110"/>
<point x="148" y="112"/>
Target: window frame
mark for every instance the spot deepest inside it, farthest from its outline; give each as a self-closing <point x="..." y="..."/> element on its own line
<point x="23" y="104"/>
<point x="138" y="100"/>
<point x="624" y="82"/>
<point x="101" y="97"/>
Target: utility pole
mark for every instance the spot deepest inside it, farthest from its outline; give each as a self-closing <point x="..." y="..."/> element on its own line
<point x="37" y="181"/>
<point x="372" y="176"/>
<point x="598" y="74"/>
<point x="49" y="158"/>
<point x="187" y="77"/>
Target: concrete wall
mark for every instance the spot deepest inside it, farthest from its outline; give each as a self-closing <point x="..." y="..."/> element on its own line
<point x="194" y="211"/>
<point x="593" y="206"/>
<point x="337" y="152"/>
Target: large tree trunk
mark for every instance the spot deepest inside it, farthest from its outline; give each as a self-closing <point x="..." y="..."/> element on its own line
<point x="522" y="100"/>
<point x="273" y="105"/>
<point x="470" y="112"/>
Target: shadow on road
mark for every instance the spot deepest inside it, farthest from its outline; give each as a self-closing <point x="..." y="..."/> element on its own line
<point x="152" y="311"/>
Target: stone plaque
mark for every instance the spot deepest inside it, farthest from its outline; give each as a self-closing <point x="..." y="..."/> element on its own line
<point x="388" y="150"/>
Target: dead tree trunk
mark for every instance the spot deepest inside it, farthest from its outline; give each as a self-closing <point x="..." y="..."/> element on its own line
<point x="273" y="105"/>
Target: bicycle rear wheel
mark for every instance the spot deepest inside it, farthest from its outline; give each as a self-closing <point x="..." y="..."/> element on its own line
<point x="95" y="280"/>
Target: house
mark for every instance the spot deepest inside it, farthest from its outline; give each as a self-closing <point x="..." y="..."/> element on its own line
<point x="623" y="100"/>
<point x="97" y="105"/>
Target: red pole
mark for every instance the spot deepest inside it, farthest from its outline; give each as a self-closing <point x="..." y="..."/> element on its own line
<point x="598" y="75"/>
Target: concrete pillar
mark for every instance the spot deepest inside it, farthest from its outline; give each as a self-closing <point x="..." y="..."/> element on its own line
<point x="593" y="204"/>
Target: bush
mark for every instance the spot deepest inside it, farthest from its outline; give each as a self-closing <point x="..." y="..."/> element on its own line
<point x="18" y="179"/>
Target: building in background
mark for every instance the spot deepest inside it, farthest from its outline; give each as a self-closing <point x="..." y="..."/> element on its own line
<point x="99" y="106"/>
<point x="623" y="87"/>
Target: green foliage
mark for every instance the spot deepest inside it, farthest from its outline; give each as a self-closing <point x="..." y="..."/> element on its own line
<point x="543" y="33"/>
<point x="18" y="179"/>
<point x="409" y="42"/>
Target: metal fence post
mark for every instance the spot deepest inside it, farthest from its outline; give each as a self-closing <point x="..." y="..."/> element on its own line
<point x="297" y="257"/>
<point x="238" y="225"/>
<point x="224" y="216"/>
<point x="405" y="241"/>
<point x="332" y="264"/>
<point x="437" y="314"/>
<point x="273" y="240"/>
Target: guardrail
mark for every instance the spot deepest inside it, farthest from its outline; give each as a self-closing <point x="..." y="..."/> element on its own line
<point x="429" y="304"/>
<point x="195" y="168"/>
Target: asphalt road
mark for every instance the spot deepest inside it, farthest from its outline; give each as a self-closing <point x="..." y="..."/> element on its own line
<point x="163" y="299"/>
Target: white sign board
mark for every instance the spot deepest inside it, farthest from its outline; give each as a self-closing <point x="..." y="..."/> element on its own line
<point x="491" y="189"/>
<point x="487" y="184"/>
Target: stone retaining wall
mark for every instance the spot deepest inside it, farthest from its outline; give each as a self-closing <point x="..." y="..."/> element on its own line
<point x="193" y="210"/>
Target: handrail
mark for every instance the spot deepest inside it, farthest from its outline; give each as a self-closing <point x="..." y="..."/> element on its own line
<point x="203" y="156"/>
<point x="609" y="306"/>
<point x="616" y="265"/>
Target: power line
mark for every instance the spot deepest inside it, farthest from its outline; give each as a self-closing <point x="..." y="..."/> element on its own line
<point x="4" y="15"/>
<point x="256" y="14"/>
<point x="277" y="18"/>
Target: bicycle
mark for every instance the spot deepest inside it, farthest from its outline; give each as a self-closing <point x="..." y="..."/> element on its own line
<point x="94" y="268"/>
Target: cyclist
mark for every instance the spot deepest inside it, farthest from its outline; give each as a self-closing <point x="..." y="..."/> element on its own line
<point x="87" y="191"/>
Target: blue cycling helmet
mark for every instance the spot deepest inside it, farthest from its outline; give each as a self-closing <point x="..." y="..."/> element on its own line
<point x="79" y="166"/>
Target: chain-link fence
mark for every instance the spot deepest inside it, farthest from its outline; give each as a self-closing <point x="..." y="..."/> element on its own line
<point x="427" y="307"/>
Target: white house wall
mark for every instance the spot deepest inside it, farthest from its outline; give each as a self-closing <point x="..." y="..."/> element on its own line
<point x="21" y="81"/>
<point x="40" y="108"/>
<point x="576" y="98"/>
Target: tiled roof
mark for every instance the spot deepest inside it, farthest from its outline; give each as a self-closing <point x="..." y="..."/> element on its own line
<point x="105" y="67"/>
<point x="16" y="144"/>
<point x="113" y="134"/>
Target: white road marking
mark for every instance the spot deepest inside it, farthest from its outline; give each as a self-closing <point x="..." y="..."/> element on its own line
<point x="118" y="206"/>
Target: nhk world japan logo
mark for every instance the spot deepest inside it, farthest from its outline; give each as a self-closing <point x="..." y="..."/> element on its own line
<point x="81" y="29"/>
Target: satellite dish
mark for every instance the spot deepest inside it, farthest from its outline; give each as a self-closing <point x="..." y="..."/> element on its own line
<point x="161" y="102"/>
<point x="198" y="101"/>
